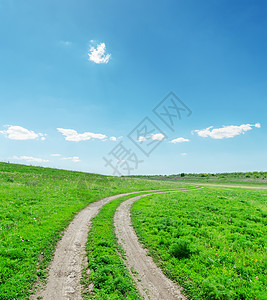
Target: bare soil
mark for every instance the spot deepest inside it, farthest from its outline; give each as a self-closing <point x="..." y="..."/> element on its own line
<point x="149" y="279"/>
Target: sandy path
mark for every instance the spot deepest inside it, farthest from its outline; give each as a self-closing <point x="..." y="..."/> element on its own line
<point x="150" y="280"/>
<point x="242" y="186"/>
<point x="65" y="269"/>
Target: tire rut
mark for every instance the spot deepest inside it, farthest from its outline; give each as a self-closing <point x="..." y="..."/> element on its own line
<point x="150" y="280"/>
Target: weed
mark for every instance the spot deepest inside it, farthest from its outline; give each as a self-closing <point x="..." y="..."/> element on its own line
<point x="181" y="248"/>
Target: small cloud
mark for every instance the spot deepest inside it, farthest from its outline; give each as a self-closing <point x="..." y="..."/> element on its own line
<point x="72" y="158"/>
<point x="158" y="137"/>
<point x="20" y="133"/>
<point x="141" y="139"/>
<point x="113" y="138"/>
<point x="119" y="161"/>
<point x="30" y="158"/>
<point x="225" y="131"/>
<point x="97" y="55"/>
<point x="66" y="43"/>
<point x="184" y="154"/>
<point x="154" y="137"/>
<point x="179" y="140"/>
<point x="73" y="136"/>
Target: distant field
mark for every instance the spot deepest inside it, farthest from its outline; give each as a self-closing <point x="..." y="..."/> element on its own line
<point x="211" y="241"/>
<point x="36" y="205"/>
<point x="257" y="178"/>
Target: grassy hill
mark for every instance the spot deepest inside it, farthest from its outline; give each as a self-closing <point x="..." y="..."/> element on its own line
<point x="36" y="205"/>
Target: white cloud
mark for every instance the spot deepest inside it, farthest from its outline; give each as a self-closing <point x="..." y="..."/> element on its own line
<point x="73" y="158"/>
<point x="226" y="131"/>
<point x="154" y="137"/>
<point x="113" y="138"/>
<point x="158" y="137"/>
<point x="30" y="158"/>
<point x="141" y="139"/>
<point x="73" y="136"/>
<point x="179" y="140"/>
<point x="97" y="55"/>
<point x="184" y="154"/>
<point x="20" y="133"/>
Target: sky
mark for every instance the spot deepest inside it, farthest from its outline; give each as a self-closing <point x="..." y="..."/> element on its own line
<point x="134" y="87"/>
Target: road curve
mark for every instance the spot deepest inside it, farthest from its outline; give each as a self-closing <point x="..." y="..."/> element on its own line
<point x="150" y="280"/>
<point x="65" y="269"/>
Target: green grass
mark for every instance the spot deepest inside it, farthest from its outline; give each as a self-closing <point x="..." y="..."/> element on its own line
<point x="109" y="276"/>
<point x="211" y="241"/>
<point x="36" y="205"/>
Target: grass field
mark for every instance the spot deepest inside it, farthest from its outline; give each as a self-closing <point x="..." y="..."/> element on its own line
<point x="36" y="205"/>
<point x="211" y="241"/>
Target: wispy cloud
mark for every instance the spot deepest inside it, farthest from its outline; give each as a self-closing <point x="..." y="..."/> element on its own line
<point x="179" y="140"/>
<point x="72" y="158"/>
<point x="113" y="138"/>
<point x="142" y="139"/>
<point x="20" y="133"/>
<point x="98" y="54"/>
<point x="183" y="154"/>
<point x="226" y="131"/>
<point x="73" y="136"/>
<point x="30" y="158"/>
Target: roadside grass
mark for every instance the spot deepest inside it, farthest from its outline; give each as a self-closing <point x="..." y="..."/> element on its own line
<point x="36" y="206"/>
<point x="211" y="241"/>
<point x="108" y="277"/>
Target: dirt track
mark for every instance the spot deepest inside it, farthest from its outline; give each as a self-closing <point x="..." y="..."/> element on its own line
<point x="242" y="186"/>
<point x="65" y="269"/>
<point x="150" y="280"/>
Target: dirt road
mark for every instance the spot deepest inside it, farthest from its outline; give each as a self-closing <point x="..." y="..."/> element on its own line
<point x="150" y="280"/>
<point x="242" y="186"/>
<point x="65" y="269"/>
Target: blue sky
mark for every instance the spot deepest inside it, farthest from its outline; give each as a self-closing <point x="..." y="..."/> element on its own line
<point x="76" y="77"/>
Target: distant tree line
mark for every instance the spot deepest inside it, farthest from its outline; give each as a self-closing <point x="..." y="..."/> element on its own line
<point x="242" y="176"/>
